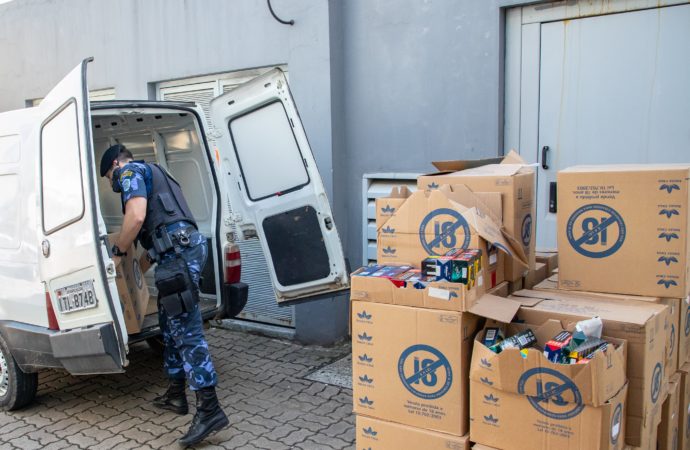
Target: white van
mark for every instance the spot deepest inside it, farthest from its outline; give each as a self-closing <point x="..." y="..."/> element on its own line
<point x="260" y="181"/>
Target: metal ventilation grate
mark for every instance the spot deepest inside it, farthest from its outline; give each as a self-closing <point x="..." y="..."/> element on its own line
<point x="376" y="185"/>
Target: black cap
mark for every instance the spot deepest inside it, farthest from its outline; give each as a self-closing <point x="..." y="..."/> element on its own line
<point x="109" y="156"/>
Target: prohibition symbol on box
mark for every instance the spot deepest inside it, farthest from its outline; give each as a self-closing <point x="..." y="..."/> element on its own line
<point x="526" y="230"/>
<point x="425" y="371"/>
<point x="442" y="224"/>
<point x="596" y="231"/>
<point x="551" y="387"/>
<point x="616" y="420"/>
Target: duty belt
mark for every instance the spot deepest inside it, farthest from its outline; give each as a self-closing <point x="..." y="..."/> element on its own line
<point x="165" y="241"/>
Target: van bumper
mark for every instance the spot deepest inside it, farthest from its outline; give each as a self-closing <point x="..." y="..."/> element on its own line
<point x="81" y="351"/>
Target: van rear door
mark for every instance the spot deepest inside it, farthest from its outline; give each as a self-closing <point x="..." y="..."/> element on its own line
<point x="275" y="188"/>
<point x="72" y="231"/>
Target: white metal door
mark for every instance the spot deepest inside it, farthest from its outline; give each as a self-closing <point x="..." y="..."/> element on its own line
<point x="276" y="189"/>
<point x="71" y="226"/>
<point x="609" y="88"/>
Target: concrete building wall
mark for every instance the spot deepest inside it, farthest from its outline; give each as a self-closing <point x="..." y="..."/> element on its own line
<point x="138" y="42"/>
<point x="422" y="83"/>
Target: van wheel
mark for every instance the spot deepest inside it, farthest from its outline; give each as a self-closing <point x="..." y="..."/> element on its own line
<point x="17" y="388"/>
<point x="156" y="344"/>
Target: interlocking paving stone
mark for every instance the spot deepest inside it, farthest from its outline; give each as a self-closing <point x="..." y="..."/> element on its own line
<point x="264" y="386"/>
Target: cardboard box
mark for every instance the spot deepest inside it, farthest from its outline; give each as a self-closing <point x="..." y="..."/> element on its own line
<point x="383" y="435"/>
<point x="623" y="229"/>
<point x="592" y="384"/>
<point x="131" y="287"/>
<point x="516" y="285"/>
<point x="641" y="323"/>
<point x="514" y="180"/>
<point x="432" y="223"/>
<point x="518" y="422"/>
<point x="678" y="327"/>
<point x="684" y="408"/>
<point x="502" y="290"/>
<point x="550" y="258"/>
<point x="684" y="332"/>
<point x="411" y="365"/>
<point x="386" y="207"/>
<point x="668" y="428"/>
<point x="437" y="295"/>
<point x="674" y="334"/>
<point x="535" y="276"/>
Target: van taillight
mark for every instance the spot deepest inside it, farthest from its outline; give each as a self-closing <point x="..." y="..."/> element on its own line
<point x="52" y="319"/>
<point x="232" y="263"/>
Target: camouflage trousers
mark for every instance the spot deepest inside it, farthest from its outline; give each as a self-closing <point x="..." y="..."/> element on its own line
<point x="186" y="350"/>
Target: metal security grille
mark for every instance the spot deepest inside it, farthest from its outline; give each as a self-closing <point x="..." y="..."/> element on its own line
<point x="261" y="305"/>
<point x="376" y="185"/>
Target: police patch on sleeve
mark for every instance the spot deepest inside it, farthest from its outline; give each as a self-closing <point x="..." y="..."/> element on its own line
<point x="126" y="184"/>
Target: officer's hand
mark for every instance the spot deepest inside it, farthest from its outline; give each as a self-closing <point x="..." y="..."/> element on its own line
<point x="117" y="260"/>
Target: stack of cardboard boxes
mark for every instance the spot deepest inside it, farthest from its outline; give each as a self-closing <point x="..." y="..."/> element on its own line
<point x="412" y="344"/>
<point x="622" y="231"/>
<point x="623" y="256"/>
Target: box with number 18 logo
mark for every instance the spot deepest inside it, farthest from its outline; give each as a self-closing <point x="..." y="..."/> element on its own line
<point x="623" y="229"/>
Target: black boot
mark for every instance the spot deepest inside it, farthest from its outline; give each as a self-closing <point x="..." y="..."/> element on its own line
<point x="208" y="419"/>
<point x="174" y="398"/>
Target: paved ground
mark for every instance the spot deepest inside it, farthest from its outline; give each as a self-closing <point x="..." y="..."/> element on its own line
<point x="262" y="388"/>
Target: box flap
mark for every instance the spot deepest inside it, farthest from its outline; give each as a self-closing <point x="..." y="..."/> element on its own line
<point x="494" y="170"/>
<point x="496" y="308"/>
<point x="400" y="192"/>
<point x="513" y="157"/>
<point x="456" y="165"/>
<point x="487" y="202"/>
<point x="615" y="310"/>
<point x="499" y="237"/>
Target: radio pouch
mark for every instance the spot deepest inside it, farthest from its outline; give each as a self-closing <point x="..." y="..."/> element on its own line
<point x="177" y="292"/>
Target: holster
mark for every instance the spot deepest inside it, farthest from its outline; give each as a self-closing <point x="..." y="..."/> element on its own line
<point x="177" y="293"/>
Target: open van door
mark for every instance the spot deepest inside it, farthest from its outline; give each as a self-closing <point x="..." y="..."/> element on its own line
<point x="74" y="254"/>
<point x="275" y="188"/>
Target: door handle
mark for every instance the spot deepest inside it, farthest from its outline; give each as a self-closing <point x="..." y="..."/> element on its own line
<point x="553" y="197"/>
<point x="544" y="161"/>
<point x="45" y="247"/>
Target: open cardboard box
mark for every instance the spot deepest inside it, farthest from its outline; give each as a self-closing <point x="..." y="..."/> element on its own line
<point x="678" y="327"/>
<point x="531" y="403"/>
<point x="643" y="324"/>
<point x="510" y="177"/>
<point x="596" y="382"/>
<point x="437" y="295"/>
<point x="432" y="223"/>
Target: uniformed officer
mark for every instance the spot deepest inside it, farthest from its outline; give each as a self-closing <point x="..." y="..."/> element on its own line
<point x="157" y="215"/>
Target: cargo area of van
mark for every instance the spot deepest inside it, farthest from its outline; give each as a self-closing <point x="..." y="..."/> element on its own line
<point x="172" y="138"/>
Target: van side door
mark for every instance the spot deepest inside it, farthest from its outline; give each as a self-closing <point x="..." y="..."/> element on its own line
<point x="72" y="234"/>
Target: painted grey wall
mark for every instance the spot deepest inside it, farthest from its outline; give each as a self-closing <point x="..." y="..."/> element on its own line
<point x="422" y="83"/>
<point x="136" y="42"/>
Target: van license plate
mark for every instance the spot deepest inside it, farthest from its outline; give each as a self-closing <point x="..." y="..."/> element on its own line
<point x="76" y="297"/>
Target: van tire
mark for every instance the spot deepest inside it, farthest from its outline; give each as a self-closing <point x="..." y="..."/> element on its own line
<point x="17" y="388"/>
